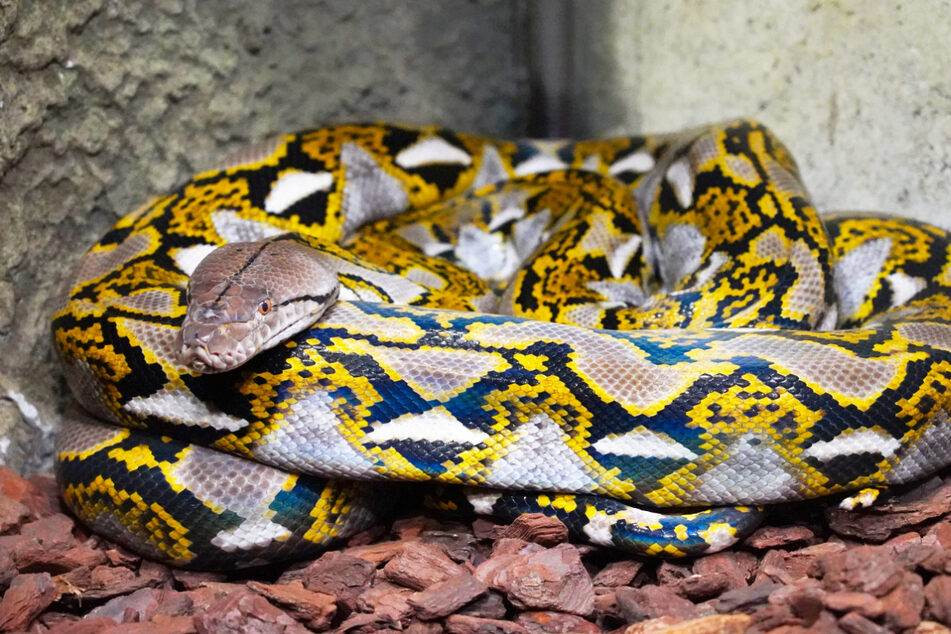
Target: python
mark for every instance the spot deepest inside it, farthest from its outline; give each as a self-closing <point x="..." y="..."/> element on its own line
<point x="647" y="337"/>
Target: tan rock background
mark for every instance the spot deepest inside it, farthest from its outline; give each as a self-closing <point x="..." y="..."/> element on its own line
<point x="859" y="91"/>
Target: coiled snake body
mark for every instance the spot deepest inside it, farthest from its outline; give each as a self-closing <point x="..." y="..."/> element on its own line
<point x="587" y="329"/>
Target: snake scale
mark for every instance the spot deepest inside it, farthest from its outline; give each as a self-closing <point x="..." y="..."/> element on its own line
<point x="644" y="336"/>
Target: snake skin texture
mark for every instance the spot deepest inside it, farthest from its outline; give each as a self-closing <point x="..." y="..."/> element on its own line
<point x="647" y="337"/>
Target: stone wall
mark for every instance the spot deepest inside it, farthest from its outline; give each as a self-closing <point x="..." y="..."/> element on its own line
<point x="103" y="103"/>
<point x="859" y="91"/>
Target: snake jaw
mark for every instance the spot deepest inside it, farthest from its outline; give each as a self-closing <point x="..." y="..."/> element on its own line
<point x="215" y="347"/>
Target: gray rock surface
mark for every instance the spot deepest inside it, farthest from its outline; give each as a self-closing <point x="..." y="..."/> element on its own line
<point x="858" y="91"/>
<point x="104" y="103"/>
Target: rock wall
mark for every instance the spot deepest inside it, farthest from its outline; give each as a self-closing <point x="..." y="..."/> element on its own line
<point x="859" y="91"/>
<point x="105" y="102"/>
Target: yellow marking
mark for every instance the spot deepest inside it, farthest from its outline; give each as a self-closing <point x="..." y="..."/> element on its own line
<point x="149" y="522"/>
<point x="334" y="502"/>
<point x="564" y="502"/>
<point x="680" y="530"/>
<point x="532" y="362"/>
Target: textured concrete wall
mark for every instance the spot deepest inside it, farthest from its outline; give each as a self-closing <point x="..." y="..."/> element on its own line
<point x="103" y="103"/>
<point x="859" y="91"/>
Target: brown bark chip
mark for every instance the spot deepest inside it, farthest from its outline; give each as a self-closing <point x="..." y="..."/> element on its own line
<point x="714" y="624"/>
<point x="13" y="513"/>
<point x="379" y="553"/>
<point x="737" y="565"/>
<point x="136" y="607"/>
<point x="337" y="574"/>
<point x="460" y="624"/>
<point x="775" y="536"/>
<point x="786" y="567"/>
<point x="845" y="601"/>
<point x="244" y="611"/>
<point x="938" y="598"/>
<point x="388" y="600"/>
<point x="25" y="599"/>
<point x="745" y="599"/>
<point x="490" y="605"/>
<point x="650" y="602"/>
<point x="556" y="623"/>
<point x="855" y="623"/>
<point x="617" y="573"/>
<point x="903" y="606"/>
<point x="703" y="587"/>
<point x="315" y="609"/>
<point x="870" y="569"/>
<point x="551" y="579"/>
<point x="445" y="597"/>
<point x="420" y="565"/>
<point x="537" y="528"/>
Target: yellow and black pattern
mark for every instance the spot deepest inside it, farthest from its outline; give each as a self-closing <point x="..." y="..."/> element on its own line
<point x="643" y="322"/>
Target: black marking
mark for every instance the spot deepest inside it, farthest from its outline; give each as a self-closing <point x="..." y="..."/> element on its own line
<point x="314" y="298"/>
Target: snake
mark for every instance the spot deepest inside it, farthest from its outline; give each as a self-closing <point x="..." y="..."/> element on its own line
<point x="652" y="338"/>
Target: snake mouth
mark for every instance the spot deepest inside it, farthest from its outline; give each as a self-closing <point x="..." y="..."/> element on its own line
<point x="200" y="359"/>
<point x="213" y="347"/>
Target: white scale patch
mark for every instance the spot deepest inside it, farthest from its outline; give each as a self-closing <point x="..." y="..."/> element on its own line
<point x="720" y="537"/>
<point x="488" y="255"/>
<point x="904" y="287"/>
<point x="926" y="455"/>
<point x="618" y="293"/>
<point x="424" y="277"/>
<point x="188" y="259"/>
<point x="598" y="528"/>
<point x="370" y="193"/>
<point x="754" y="463"/>
<point x="482" y="501"/>
<point x="233" y="228"/>
<point x="855" y="272"/>
<point x="346" y="294"/>
<point x="621" y="255"/>
<point x="637" y="162"/>
<point x="436" y="374"/>
<point x="591" y="163"/>
<point x="432" y="151"/>
<point x="680" y="178"/>
<point x="491" y="171"/>
<point x="506" y="214"/>
<point x="643" y="443"/>
<point x="538" y="163"/>
<point x="539" y="459"/>
<point x="243" y="487"/>
<point x="309" y="441"/>
<point x="435" y="425"/>
<point x="424" y="239"/>
<point x="851" y="443"/>
<point x="182" y="407"/>
<point x="618" y="247"/>
<point x="294" y="186"/>
<point x="530" y="232"/>
<point x="683" y="252"/>
<point x="251" y="533"/>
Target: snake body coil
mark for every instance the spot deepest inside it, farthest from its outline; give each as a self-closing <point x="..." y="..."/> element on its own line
<point x="586" y="329"/>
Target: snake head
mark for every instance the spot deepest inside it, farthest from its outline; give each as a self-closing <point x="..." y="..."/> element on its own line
<point x="245" y="297"/>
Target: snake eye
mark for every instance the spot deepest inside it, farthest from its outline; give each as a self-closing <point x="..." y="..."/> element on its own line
<point x="264" y="307"/>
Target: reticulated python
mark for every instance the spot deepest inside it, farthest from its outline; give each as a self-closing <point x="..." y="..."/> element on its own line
<point x="615" y="325"/>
